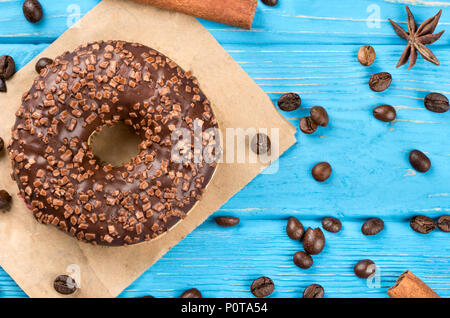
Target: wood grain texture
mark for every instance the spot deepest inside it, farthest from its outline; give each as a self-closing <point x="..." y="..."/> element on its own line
<point x="310" y="47"/>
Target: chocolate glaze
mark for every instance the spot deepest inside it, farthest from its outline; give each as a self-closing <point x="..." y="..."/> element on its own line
<point x="100" y="84"/>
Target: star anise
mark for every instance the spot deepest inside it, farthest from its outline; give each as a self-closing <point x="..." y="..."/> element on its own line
<point x="417" y="39"/>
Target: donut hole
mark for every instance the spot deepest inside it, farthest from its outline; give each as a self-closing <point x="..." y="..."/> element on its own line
<point x="114" y="145"/>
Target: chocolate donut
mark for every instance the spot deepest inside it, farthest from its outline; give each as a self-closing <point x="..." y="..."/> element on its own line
<point x="101" y="84"/>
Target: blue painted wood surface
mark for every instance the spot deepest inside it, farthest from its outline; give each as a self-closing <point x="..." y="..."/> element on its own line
<point x="309" y="47"/>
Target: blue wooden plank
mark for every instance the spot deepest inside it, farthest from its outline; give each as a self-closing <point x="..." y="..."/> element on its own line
<point x="292" y="21"/>
<point x="216" y="261"/>
<point x="328" y="22"/>
<point x="310" y="47"/>
<point x="59" y="16"/>
<point x="229" y="267"/>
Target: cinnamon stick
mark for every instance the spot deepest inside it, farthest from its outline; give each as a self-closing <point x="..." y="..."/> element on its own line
<point x="409" y="285"/>
<point x="238" y="13"/>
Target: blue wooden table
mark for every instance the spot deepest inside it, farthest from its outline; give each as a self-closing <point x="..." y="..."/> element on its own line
<point x="309" y="47"/>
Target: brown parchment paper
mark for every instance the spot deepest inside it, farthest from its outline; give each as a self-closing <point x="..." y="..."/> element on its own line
<point x="34" y="254"/>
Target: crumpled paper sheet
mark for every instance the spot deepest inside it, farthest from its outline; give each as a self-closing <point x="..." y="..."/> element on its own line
<point x="34" y="254"/>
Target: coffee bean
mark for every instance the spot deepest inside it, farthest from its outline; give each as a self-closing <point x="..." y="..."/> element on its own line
<point x="227" y="221"/>
<point x="2" y="85"/>
<point x="32" y="10"/>
<point x="366" y="55"/>
<point x="331" y="224"/>
<point x="191" y="293"/>
<point x="262" y="287"/>
<point x="65" y="285"/>
<point x="2" y="144"/>
<point x="42" y="63"/>
<point x="380" y="81"/>
<point x="365" y="268"/>
<point x="313" y="241"/>
<point x="5" y="200"/>
<point x="148" y="296"/>
<point x="319" y="115"/>
<point x="321" y="171"/>
<point x="303" y="260"/>
<point x="260" y="144"/>
<point x="372" y="226"/>
<point x="436" y="103"/>
<point x="270" y="3"/>
<point x="444" y="223"/>
<point x="295" y="229"/>
<point x="385" y="113"/>
<point x="422" y="224"/>
<point x="7" y="66"/>
<point x="307" y="125"/>
<point x="289" y="102"/>
<point x="314" y="291"/>
<point x="419" y="161"/>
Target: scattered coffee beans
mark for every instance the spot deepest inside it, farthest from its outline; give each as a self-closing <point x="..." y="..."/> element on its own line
<point x="366" y="55"/>
<point x="2" y="144"/>
<point x="289" y="102"/>
<point x="65" y="285"/>
<point x="262" y="287"/>
<point x="5" y="200"/>
<point x="227" y="221"/>
<point x="42" y="63"/>
<point x="191" y="293"/>
<point x="295" y="229"/>
<point x="260" y="144"/>
<point x="313" y="241"/>
<point x="32" y="10"/>
<point x="270" y="3"/>
<point x="319" y="115"/>
<point x="314" y="291"/>
<point x="444" y="223"/>
<point x="385" y="113"/>
<point x="419" y="161"/>
<point x="303" y="260"/>
<point x="380" y="81"/>
<point x="2" y="85"/>
<point x="307" y="125"/>
<point x="422" y="224"/>
<point x="365" y="268"/>
<point x="331" y="224"/>
<point x="321" y="171"/>
<point x="372" y="226"/>
<point x="436" y="103"/>
<point x="7" y="67"/>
